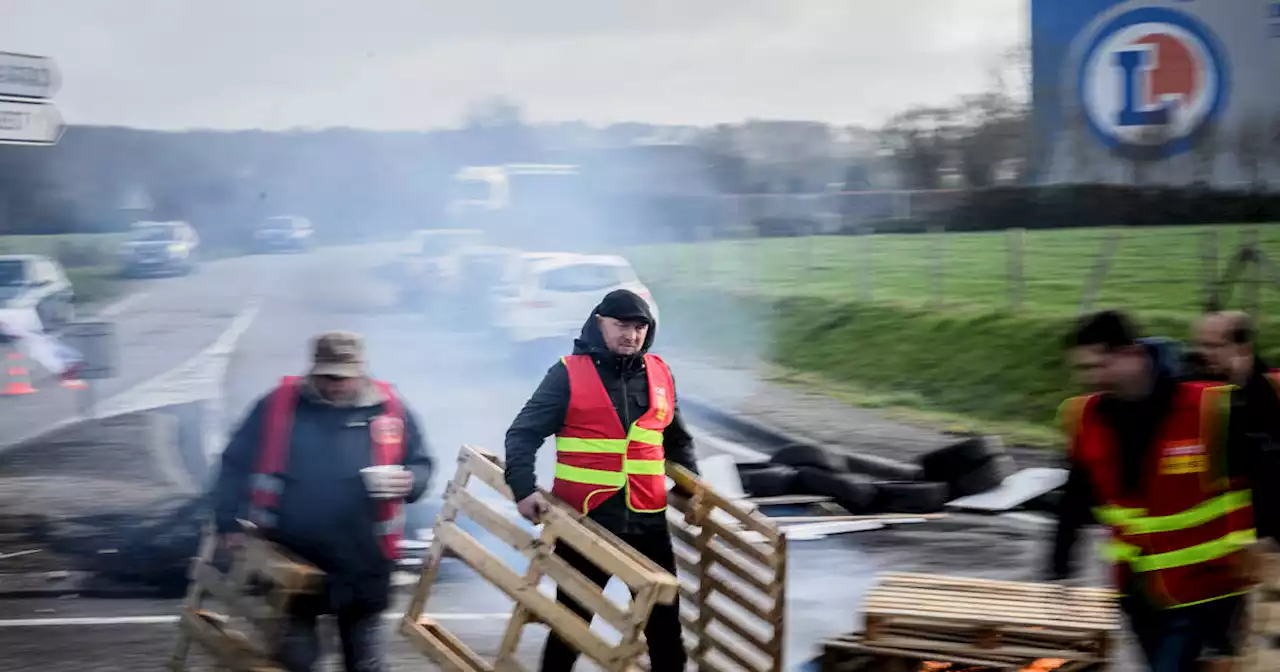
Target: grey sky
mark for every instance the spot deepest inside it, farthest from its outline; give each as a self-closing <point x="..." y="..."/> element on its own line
<point x="412" y="64"/>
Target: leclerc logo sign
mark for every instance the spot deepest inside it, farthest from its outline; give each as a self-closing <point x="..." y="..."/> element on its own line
<point x="1151" y="79"/>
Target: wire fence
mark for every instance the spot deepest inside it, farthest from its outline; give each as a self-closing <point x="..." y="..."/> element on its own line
<point x="1168" y="270"/>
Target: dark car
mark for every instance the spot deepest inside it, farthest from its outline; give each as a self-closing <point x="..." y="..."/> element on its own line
<point x="33" y="281"/>
<point x="286" y="233"/>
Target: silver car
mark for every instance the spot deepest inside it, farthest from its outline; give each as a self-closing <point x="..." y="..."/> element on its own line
<point x="160" y="248"/>
<point x="33" y="281"/>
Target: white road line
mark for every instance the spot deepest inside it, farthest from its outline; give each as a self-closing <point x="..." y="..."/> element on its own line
<point x="122" y="305"/>
<point x="716" y="444"/>
<point x="170" y="619"/>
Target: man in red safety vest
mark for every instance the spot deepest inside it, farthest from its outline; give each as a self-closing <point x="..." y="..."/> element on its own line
<point x="1151" y="459"/>
<point x="324" y="464"/>
<point x="612" y="408"/>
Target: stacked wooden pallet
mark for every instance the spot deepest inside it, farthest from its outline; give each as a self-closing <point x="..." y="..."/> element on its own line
<point x="253" y="596"/>
<point x="978" y="623"/>
<point x="649" y="583"/>
<point x="733" y="609"/>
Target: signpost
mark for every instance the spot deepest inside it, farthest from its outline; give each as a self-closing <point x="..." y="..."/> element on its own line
<point x="26" y="85"/>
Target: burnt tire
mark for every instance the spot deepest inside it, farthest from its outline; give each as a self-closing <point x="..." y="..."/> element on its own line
<point x="949" y="462"/>
<point x="854" y="492"/>
<point x="910" y="497"/>
<point x="773" y="480"/>
<point x="800" y="455"/>
<point x="984" y="478"/>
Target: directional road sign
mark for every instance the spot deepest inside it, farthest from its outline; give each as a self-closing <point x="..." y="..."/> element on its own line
<point x="26" y="76"/>
<point x="29" y="122"/>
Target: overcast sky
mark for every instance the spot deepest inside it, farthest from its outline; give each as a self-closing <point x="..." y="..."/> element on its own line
<point x="413" y="64"/>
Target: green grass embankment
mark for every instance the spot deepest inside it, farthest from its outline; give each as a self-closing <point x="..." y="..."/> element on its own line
<point x="970" y="362"/>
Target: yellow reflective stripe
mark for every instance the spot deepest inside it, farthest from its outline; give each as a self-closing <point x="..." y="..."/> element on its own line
<point x="1118" y="551"/>
<point x="1198" y="515"/>
<point x="646" y="467"/>
<point x="1195" y="555"/>
<point x="1109" y="514"/>
<point x="641" y="435"/>
<point x="576" y="445"/>
<point x="612" y="479"/>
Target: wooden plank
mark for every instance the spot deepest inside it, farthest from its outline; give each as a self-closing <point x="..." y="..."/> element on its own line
<point x="444" y="648"/>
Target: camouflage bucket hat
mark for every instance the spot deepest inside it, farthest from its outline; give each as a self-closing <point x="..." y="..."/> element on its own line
<point x="338" y="353"/>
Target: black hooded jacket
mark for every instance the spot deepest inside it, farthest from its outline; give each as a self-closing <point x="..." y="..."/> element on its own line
<point x="625" y="379"/>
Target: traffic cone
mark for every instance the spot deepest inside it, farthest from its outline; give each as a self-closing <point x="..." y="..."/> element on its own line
<point x="71" y="379"/>
<point x="19" y="378"/>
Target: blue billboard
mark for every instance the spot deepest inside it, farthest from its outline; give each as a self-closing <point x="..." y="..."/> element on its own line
<point x="1186" y="89"/>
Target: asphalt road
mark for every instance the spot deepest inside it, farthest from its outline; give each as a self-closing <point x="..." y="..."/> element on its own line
<point x="160" y="325"/>
<point x="464" y="391"/>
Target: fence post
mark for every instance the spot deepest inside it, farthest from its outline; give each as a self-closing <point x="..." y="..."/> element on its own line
<point x="1253" y="278"/>
<point x="938" y="245"/>
<point x="1093" y="284"/>
<point x="1209" y="266"/>
<point x="1017" y="241"/>
<point x="864" y="268"/>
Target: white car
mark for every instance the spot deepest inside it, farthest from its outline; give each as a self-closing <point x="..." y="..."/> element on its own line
<point x="284" y="233"/>
<point x="548" y="296"/>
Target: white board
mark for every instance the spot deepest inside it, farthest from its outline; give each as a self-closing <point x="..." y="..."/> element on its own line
<point x="1015" y="491"/>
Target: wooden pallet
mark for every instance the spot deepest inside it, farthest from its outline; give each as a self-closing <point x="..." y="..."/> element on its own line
<point x="852" y="653"/>
<point x="733" y="614"/>
<point x="944" y="615"/>
<point x="1262" y="646"/>
<point x="649" y="583"/>
<point x="257" y="590"/>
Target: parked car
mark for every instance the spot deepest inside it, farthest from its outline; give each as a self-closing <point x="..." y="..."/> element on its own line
<point x="546" y="297"/>
<point x="429" y="268"/>
<point x="33" y="281"/>
<point x="284" y="233"/>
<point x="160" y="248"/>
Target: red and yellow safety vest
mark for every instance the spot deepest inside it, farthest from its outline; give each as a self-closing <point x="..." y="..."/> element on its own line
<point x="597" y="457"/>
<point x="1181" y="531"/>
<point x="386" y="433"/>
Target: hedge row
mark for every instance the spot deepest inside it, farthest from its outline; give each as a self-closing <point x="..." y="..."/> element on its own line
<point x="1094" y="205"/>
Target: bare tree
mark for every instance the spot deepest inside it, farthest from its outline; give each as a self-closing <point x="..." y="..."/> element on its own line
<point x="920" y="141"/>
<point x="1204" y="154"/>
<point x="1251" y="148"/>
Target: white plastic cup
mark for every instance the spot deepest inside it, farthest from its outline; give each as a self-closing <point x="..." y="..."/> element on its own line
<point x="375" y="479"/>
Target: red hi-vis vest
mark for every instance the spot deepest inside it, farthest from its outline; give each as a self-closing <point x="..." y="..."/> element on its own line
<point x="1180" y="533"/>
<point x="597" y="457"/>
<point x="386" y="434"/>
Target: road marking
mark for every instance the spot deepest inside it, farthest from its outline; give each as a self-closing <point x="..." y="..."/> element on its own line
<point x="170" y="619"/>
<point x="719" y="445"/>
<point x="122" y="305"/>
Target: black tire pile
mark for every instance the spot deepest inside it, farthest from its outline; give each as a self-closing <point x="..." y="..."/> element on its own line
<point x="968" y="467"/>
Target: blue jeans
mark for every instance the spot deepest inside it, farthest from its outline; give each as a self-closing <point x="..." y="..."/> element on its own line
<point x="359" y="630"/>
<point x="1174" y="640"/>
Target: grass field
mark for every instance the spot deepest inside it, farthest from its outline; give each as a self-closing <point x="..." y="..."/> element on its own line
<point x="803" y="305"/>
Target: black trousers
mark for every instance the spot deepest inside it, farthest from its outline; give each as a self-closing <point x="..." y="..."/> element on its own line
<point x="1174" y="640"/>
<point x="666" y="647"/>
<point x="359" y="630"/>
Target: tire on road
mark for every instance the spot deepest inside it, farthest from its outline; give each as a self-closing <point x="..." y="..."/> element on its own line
<point x="854" y="492"/>
<point x="808" y="455"/>
<point x="773" y="480"/>
<point x="910" y="496"/>
<point x="987" y="476"/>
<point x="962" y="457"/>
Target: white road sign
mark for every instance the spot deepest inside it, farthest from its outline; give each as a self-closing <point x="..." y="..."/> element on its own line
<point x="29" y="122"/>
<point x="25" y="76"/>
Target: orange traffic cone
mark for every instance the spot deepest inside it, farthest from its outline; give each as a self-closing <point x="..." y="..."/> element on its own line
<point x="19" y="379"/>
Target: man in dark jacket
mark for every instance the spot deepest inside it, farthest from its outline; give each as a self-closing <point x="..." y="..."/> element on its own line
<point x="1137" y="384"/>
<point x="1225" y="343"/>
<point x="613" y="346"/>
<point x="337" y="424"/>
